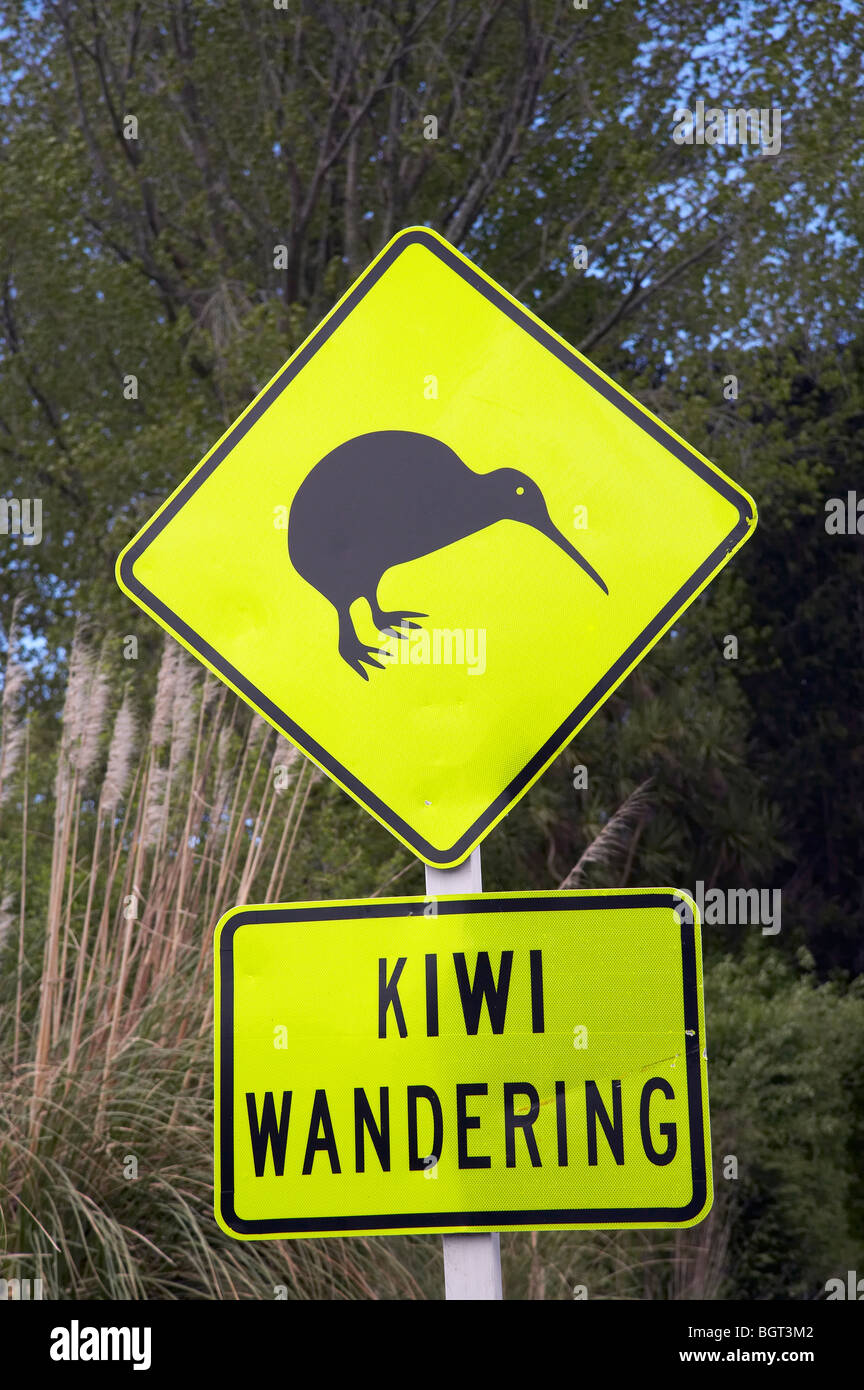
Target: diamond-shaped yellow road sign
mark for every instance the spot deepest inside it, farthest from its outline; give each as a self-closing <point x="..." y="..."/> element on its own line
<point x="433" y="545"/>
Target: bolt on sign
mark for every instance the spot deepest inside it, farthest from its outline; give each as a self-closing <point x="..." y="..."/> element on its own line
<point x="503" y="1061"/>
<point x="433" y="545"/>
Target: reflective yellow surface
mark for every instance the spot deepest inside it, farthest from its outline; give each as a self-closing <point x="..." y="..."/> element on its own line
<point x="442" y="742"/>
<point x="588" y="1001"/>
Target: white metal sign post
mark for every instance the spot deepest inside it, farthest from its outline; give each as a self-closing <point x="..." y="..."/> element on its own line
<point x="472" y="1263"/>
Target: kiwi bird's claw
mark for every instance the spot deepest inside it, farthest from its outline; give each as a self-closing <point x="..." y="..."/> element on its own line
<point x="387" y="622"/>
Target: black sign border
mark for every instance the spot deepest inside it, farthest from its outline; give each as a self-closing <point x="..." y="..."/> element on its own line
<point x="458" y="1221"/>
<point x="413" y="838"/>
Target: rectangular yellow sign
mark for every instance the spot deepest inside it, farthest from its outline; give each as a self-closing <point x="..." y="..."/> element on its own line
<point x="501" y="1061"/>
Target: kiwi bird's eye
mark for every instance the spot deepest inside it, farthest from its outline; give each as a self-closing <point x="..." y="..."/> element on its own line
<point x="519" y="491"/>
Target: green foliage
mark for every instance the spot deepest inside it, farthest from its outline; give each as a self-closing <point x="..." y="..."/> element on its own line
<point x="785" y="1056"/>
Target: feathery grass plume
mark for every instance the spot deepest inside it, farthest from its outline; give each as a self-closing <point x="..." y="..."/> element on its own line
<point x="80" y="728"/>
<point x="12" y="707"/>
<point x="120" y="755"/>
<point x="87" y="713"/>
<point x="258" y="727"/>
<point x="7" y="916"/>
<point x="212" y="690"/>
<point x="92" y="722"/>
<point x="259" y="839"/>
<point x="284" y="764"/>
<point x="173" y="723"/>
<point x="614" y="839"/>
<point x="75" y="709"/>
<point x="155" y="807"/>
<point x="161" y="730"/>
<point x="163" y="703"/>
<point x="222" y="789"/>
<point x="183" y="706"/>
<point x="63" y="853"/>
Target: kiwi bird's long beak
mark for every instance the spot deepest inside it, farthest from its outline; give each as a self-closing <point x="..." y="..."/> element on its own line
<point x="550" y="530"/>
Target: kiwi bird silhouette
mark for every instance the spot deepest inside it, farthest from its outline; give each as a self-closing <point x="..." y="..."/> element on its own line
<point x="384" y="498"/>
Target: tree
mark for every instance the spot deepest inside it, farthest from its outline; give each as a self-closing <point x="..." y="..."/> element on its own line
<point x="186" y="188"/>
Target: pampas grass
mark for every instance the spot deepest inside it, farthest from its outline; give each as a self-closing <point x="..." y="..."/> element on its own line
<point x="120" y="754"/>
<point x="7" y="916"/>
<point x="12" y="708"/>
<point x="616" y="838"/>
<point x="106" y="1003"/>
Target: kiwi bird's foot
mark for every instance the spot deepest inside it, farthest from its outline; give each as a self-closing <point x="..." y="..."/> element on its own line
<point x="354" y="653"/>
<point x="392" y="622"/>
